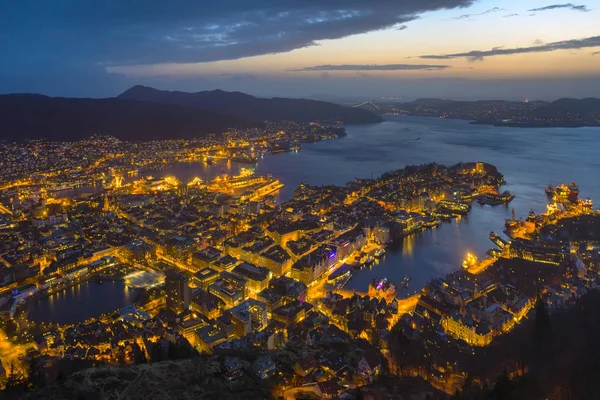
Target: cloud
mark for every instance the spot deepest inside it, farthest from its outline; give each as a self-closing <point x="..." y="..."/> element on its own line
<point x="510" y="15"/>
<point x="373" y="67"/>
<point x="570" y="6"/>
<point x="573" y="44"/>
<point x="469" y="16"/>
<point x="125" y="33"/>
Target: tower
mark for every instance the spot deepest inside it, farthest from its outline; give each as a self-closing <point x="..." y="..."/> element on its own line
<point x="106" y="207"/>
<point x="177" y="290"/>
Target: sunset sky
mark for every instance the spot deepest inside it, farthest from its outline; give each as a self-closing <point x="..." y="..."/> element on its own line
<point x="401" y="48"/>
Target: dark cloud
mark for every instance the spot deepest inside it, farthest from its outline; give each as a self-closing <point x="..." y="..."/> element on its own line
<point x="369" y="67"/>
<point x="469" y="16"/>
<point x="128" y="32"/>
<point x="570" y="6"/>
<point x="474" y="55"/>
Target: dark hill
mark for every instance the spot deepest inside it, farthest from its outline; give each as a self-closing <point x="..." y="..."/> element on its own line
<point x="27" y="116"/>
<point x="253" y="108"/>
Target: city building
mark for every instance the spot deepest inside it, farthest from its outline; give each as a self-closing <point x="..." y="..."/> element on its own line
<point x="177" y="290"/>
<point x="257" y="277"/>
<point x="310" y="267"/>
<point x="205" y="277"/>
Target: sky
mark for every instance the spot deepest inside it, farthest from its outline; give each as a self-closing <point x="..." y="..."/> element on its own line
<point x="351" y="49"/>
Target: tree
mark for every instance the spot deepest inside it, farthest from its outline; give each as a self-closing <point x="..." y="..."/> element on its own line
<point x="542" y="322"/>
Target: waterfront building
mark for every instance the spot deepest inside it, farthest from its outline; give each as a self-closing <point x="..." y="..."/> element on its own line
<point x="76" y="273"/>
<point x="536" y="251"/>
<point x="177" y="290"/>
<point x="349" y="242"/>
<point x="310" y="267"/>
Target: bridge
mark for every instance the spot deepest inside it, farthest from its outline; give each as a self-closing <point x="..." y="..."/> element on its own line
<point x="367" y="103"/>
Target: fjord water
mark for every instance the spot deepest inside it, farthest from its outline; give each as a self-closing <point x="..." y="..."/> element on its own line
<point x="81" y="302"/>
<point x="530" y="159"/>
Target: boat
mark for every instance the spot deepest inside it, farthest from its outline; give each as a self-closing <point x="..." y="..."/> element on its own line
<point x="340" y="274"/>
<point x="455" y="207"/>
<point x="62" y="188"/>
<point x="208" y="160"/>
<point x="405" y="281"/>
<point x="379" y="252"/>
<point x="247" y="159"/>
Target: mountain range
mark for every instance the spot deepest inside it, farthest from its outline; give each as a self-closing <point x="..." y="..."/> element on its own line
<point x="253" y="108"/>
<point x="143" y="113"/>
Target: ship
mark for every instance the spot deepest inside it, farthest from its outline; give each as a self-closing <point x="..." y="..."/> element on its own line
<point x="587" y="203"/>
<point x="245" y="158"/>
<point x="454" y="206"/>
<point x="379" y="253"/>
<point x="341" y="274"/>
<point x="573" y="191"/>
<point x="62" y="188"/>
<point x="281" y="146"/>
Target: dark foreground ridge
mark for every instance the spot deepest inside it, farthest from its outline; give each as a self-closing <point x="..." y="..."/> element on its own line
<point x="253" y="108"/>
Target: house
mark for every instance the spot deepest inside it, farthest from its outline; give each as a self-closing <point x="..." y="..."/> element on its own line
<point x="232" y="369"/>
<point x="264" y="367"/>
<point x="369" y="366"/>
<point x="329" y="389"/>
<point x="305" y="366"/>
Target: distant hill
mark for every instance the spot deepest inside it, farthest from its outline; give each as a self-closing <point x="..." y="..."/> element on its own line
<point x="559" y="113"/>
<point x="27" y="116"/>
<point x="253" y="108"/>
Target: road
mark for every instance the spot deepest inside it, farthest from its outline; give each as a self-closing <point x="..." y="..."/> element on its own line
<point x="10" y="352"/>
